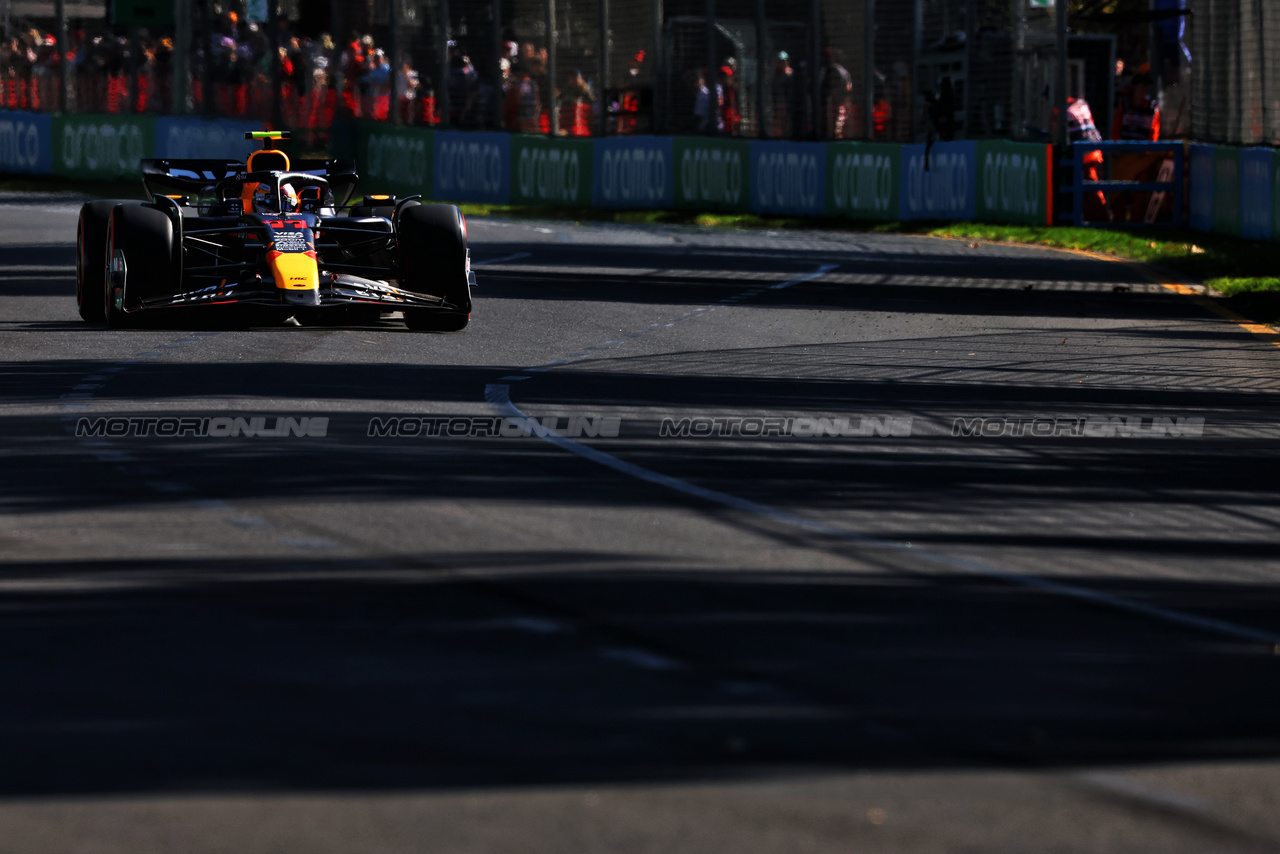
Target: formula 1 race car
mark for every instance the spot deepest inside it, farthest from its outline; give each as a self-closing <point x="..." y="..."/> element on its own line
<point x="275" y="239"/>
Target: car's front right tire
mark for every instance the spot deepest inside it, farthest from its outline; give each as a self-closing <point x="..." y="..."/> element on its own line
<point x="433" y="261"/>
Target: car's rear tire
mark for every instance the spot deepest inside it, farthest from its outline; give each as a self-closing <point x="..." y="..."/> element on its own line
<point x="145" y="236"/>
<point x="432" y="245"/>
<point x="91" y="250"/>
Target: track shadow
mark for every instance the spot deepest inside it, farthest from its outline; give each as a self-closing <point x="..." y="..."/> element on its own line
<point x="262" y="675"/>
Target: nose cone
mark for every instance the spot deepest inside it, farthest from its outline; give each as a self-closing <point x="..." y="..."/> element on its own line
<point x="294" y="271"/>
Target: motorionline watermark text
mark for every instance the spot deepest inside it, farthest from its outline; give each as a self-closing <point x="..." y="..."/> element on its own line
<point x="1092" y="426"/>
<point x="800" y="427"/>
<point x="496" y="426"/>
<point x="256" y="426"/>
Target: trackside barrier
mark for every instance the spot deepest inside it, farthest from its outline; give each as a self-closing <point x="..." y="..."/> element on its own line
<point x="1201" y="189"/>
<point x="1014" y="182"/>
<point x="26" y="146"/>
<point x="1275" y="196"/>
<point x="472" y="167"/>
<point x="1080" y="186"/>
<point x="1226" y="190"/>
<point x="712" y="174"/>
<point x="110" y="146"/>
<point x="789" y="178"/>
<point x="183" y="137"/>
<point x="395" y="160"/>
<point x="1257" y="166"/>
<point x="864" y="180"/>
<point x="551" y="171"/>
<point x="633" y="172"/>
<point x="938" y="181"/>
<point x="1235" y="191"/>
<point x="101" y="146"/>
<point x="1230" y="190"/>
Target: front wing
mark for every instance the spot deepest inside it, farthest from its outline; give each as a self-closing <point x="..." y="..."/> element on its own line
<point x="337" y="290"/>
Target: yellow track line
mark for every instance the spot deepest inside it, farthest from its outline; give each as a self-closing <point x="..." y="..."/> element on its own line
<point x="1263" y="331"/>
<point x="1260" y="329"/>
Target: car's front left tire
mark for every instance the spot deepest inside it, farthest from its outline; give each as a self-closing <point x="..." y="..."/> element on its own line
<point x="91" y="250"/>
<point x="144" y="237"/>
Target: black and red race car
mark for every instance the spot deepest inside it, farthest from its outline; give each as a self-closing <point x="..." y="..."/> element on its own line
<point x="275" y="239"/>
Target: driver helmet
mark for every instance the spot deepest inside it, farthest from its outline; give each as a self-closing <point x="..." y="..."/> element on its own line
<point x="288" y="198"/>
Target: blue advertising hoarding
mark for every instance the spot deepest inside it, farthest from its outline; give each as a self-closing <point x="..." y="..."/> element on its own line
<point x="220" y="139"/>
<point x="1255" y="193"/>
<point x="939" y="181"/>
<point x="26" y="143"/>
<point x="394" y="159"/>
<point x="472" y="167"/>
<point x="634" y="172"/>
<point x="1201" y="187"/>
<point x="789" y="178"/>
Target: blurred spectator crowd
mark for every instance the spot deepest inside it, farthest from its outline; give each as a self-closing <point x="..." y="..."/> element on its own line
<point x="269" y="72"/>
<point x="234" y="69"/>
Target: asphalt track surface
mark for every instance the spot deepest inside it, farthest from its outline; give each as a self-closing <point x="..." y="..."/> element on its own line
<point x="926" y="642"/>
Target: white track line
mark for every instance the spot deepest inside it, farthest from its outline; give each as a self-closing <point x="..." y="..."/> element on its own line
<point x="498" y="396"/>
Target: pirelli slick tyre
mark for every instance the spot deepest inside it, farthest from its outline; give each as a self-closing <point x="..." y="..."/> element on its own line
<point x="91" y="250"/>
<point x="143" y="238"/>
<point x="432" y="244"/>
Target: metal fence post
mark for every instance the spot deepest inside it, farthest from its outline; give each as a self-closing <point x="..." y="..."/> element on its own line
<point x="64" y="67"/>
<point x="442" y="87"/>
<point x="181" y="53"/>
<point x="602" y="85"/>
<point x="763" y="66"/>
<point x="393" y="57"/>
<point x="553" y="110"/>
<point x="1060" y="97"/>
<point x="277" y="75"/>
<point x="206" y="66"/>
<point x="498" y="53"/>
<point x="869" y="69"/>
<point x="917" y="47"/>
<point x="1018" y="85"/>
<point x="816" y="65"/>
<point x="1259" y="33"/>
<point x="658" y="122"/>
<point x="712" y="65"/>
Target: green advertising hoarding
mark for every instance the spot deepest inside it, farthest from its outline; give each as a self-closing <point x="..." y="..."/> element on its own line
<point x="1015" y="181"/>
<point x="96" y="146"/>
<point x="551" y="171"/>
<point x="1226" y="190"/>
<point x="863" y="180"/>
<point x="394" y="159"/>
<point x="712" y="174"/>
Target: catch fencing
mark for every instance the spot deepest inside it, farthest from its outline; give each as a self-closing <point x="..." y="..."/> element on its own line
<point x="1235" y="72"/>
<point x="813" y="70"/>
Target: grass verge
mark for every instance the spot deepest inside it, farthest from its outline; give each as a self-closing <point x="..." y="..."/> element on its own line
<point x="1243" y="271"/>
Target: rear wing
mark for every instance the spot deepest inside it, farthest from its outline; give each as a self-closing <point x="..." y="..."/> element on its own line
<point x="163" y="177"/>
